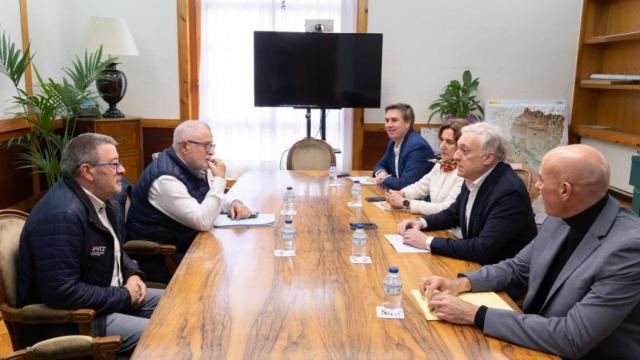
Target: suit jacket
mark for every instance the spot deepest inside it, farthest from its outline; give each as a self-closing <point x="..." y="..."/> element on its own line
<point x="592" y="309"/>
<point x="413" y="161"/>
<point x="501" y="222"/>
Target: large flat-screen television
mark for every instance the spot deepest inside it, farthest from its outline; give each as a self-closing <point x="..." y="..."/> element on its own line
<point x="319" y="70"/>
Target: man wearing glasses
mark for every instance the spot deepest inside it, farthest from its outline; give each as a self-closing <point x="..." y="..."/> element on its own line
<point x="70" y="255"/>
<point x="179" y="194"/>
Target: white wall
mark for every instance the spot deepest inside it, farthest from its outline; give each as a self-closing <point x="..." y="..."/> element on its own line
<point x="58" y="29"/>
<point x="520" y="49"/>
<point x="10" y="25"/>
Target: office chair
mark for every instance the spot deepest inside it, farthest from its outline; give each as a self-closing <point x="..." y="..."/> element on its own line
<point x="310" y="154"/>
<point x="136" y="247"/>
<point x="66" y="347"/>
<point x="528" y="179"/>
<point x="11" y="224"/>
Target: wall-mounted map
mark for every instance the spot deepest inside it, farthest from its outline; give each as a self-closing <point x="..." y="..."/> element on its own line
<point x="532" y="128"/>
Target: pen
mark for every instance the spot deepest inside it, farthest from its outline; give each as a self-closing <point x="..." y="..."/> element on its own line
<point x="253" y="215"/>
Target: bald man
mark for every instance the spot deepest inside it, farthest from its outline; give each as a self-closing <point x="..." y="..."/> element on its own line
<point x="582" y="270"/>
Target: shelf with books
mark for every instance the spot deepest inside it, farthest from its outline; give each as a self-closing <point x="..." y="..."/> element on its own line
<point x="609" y="46"/>
<point x="609" y="85"/>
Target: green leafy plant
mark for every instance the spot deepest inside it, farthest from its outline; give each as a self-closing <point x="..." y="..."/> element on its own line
<point x="458" y="100"/>
<point x="50" y="100"/>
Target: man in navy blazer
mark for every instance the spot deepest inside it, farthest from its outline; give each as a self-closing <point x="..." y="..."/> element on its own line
<point x="493" y="209"/>
<point x="582" y="270"/>
<point x="406" y="159"/>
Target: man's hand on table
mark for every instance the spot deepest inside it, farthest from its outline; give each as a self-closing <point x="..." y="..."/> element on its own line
<point x="441" y="295"/>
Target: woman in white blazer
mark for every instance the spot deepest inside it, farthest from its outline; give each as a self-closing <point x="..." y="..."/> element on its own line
<point x="442" y="183"/>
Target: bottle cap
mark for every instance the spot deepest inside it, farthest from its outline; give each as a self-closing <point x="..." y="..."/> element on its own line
<point x="288" y="221"/>
<point x="356" y="182"/>
<point x="393" y="269"/>
<point x="289" y="187"/>
<point x="360" y="226"/>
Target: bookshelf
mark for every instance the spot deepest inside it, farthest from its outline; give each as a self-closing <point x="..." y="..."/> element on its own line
<point x="609" y="44"/>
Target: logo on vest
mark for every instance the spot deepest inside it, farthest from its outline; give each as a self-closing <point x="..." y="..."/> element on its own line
<point x="98" y="250"/>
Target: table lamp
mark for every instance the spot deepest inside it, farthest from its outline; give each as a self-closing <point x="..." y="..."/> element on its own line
<point x="116" y="40"/>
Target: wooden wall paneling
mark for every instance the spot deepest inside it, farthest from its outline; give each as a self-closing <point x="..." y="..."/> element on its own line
<point x="188" y="57"/>
<point x="375" y="142"/>
<point x="28" y="85"/>
<point x="157" y="135"/>
<point x="358" y="114"/>
<point x="373" y="147"/>
<point x="15" y="184"/>
<point x="194" y="63"/>
<point x="155" y="140"/>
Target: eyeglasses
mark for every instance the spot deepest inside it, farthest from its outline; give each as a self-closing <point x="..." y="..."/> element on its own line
<point x="115" y="165"/>
<point x="206" y="145"/>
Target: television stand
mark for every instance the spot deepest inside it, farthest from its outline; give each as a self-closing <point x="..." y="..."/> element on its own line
<point x="323" y="123"/>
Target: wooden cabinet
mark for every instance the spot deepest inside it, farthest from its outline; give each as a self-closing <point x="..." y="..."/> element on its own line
<point x="127" y="132"/>
<point x="609" y="44"/>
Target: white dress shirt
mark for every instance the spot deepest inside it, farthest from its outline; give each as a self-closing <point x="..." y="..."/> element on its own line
<point x="171" y="197"/>
<point x="99" y="205"/>
<point x="396" y="156"/>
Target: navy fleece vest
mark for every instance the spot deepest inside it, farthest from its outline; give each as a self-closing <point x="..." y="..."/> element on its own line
<point x="145" y="221"/>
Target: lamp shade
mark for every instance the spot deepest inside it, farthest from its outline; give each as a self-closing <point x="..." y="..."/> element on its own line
<point x="114" y="36"/>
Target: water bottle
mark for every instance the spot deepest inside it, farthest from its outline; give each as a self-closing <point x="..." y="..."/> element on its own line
<point x="288" y="204"/>
<point x="356" y="195"/>
<point x="288" y="238"/>
<point x="392" y="298"/>
<point x="333" y="175"/>
<point x="359" y="243"/>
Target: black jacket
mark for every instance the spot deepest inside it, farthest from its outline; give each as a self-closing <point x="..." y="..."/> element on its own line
<point x="66" y="258"/>
<point x="501" y="222"/>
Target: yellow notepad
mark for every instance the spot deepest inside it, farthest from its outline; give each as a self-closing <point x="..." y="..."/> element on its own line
<point x="488" y="299"/>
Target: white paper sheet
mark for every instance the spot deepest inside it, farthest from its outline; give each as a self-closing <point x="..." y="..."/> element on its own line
<point x="386" y="207"/>
<point x="223" y="221"/>
<point x="364" y="180"/>
<point x="396" y="242"/>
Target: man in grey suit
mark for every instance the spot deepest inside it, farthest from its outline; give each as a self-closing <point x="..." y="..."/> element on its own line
<point x="582" y="270"/>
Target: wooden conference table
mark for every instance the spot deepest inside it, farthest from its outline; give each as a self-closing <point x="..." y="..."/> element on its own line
<point x="232" y="298"/>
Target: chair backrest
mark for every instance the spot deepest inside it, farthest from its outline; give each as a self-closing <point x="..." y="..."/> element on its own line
<point x="310" y="154"/>
<point x="11" y="224"/>
<point x="528" y="179"/>
<point x="73" y="346"/>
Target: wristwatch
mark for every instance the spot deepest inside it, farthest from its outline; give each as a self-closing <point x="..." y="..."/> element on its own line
<point x="406" y="203"/>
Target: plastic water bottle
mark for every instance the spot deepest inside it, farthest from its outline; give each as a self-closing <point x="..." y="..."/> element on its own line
<point x="288" y="204"/>
<point x="359" y="243"/>
<point x="288" y="238"/>
<point x="333" y="175"/>
<point x="392" y="298"/>
<point x="356" y="194"/>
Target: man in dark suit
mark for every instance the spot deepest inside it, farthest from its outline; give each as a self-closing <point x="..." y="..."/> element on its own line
<point x="582" y="270"/>
<point x="493" y="208"/>
<point x="406" y="159"/>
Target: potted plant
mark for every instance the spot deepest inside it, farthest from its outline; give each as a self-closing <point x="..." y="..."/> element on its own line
<point x="458" y="100"/>
<point x="50" y="100"/>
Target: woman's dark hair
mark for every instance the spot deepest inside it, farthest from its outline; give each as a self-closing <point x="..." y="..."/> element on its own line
<point x="454" y="124"/>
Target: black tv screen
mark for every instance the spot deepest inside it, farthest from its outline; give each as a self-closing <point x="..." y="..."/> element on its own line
<point x="320" y="70"/>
